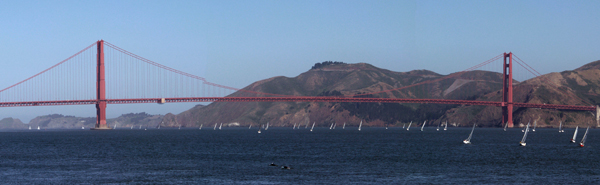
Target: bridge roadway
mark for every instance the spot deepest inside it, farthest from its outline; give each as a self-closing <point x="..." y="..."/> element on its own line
<point x="292" y="99"/>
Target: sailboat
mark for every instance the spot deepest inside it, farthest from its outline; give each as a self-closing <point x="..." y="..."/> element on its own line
<point x="468" y="140"/>
<point x="560" y="127"/>
<point x="334" y="124"/>
<point x="403" y="125"/>
<point x="200" y="127"/>
<point x="115" y="127"/>
<point x="522" y="143"/>
<point x="534" y="125"/>
<point x="360" y="125"/>
<point x="140" y="127"/>
<point x="446" y="126"/>
<point x="438" y="128"/>
<point x="311" y="128"/>
<point x="215" y="127"/>
<point x="82" y="128"/>
<point x="29" y="127"/>
<point x="38" y="127"/>
<point x="305" y="127"/>
<point x="581" y="144"/>
<point x="575" y="134"/>
<point x="294" y="126"/>
<point x="266" y="128"/>
<point x="159" y="127"/>
<point x="259" y="130"/>
<point x="221" y="125"/>
<point x="250" y="126"/>
<point x="423" y="126"/>
<point x="331" y="126"/>
<point x="131" y="127"/>
<point x="407" y="128"/>
<point x="179" y="127"/>
<point x="344" y="127"/>
<point x="505" y="125"/>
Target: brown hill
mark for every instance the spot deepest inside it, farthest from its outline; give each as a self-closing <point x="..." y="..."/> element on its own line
<point x="341" y="79"/>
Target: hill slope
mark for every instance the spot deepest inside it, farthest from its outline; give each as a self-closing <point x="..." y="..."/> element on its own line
<point x="347" y="80"/>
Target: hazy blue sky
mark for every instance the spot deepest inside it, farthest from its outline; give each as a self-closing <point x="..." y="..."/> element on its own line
<point x="235" y="43"/>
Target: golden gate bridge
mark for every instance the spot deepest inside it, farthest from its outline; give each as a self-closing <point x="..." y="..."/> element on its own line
<point x="103" y="73"/>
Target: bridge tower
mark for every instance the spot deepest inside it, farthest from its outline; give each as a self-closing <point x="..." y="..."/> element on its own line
<point x="100" y="89"/>
<point x="507" y="91"/>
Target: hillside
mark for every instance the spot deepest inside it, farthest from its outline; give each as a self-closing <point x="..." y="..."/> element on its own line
<point x="339" y="79"/>
<point x="10" y="123"/>
<point x="58" y="121"/>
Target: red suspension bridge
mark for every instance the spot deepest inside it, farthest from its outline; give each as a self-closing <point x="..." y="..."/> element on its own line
<point x="106" y="74"/>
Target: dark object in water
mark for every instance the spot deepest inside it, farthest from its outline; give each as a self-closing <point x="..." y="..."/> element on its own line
<point x="272" y="164"/>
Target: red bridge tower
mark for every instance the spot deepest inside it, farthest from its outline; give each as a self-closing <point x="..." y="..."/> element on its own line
<point x="507" y="91"/>
<point x="100" y="89"/>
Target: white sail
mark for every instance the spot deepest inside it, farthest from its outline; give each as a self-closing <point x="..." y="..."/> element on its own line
<point x="221" y="125"/>
<point x="560" y="127"/>
<point x="407" y="128"/>
<point x="534" y="125"/>
<point x="140" y="127"/>
<point x="403" y="125"/>
<point x="200" y="127"/>
<point x="344" y="127"/>
<point x="179" y="127"/>
<point x="311" y="128"/>
<point x="468" y="140"/>
<point x="306" y="125"/>
<point x="423" y="126"/>
<point x="215" y="126"/>
<point x="446" y="126"/>
<point x="29" y="127"/>
<point x="131" y="127"/>
<point x="438" y="128"/>
<point x="38" y="127"/>
<point x="335" y="124"/>
<point x="523" y="143"/>
<point x="527" y="124"/>
<point x="84" y="127"/>
<point x="159" y="126"/>
<point x="250" y="126"/>
<point x="505" y="125"/>
<point x="331" y="126"/>
<point x="582" y="143"/>
<point x="266" y="128"/>
<point x="360" y="125"/>
<point x="575" y="134"/>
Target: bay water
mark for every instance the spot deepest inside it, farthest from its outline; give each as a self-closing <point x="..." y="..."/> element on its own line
<point x="324" y="156"/>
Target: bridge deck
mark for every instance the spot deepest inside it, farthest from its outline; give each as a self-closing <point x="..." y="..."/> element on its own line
<point x="293" y="99"/>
